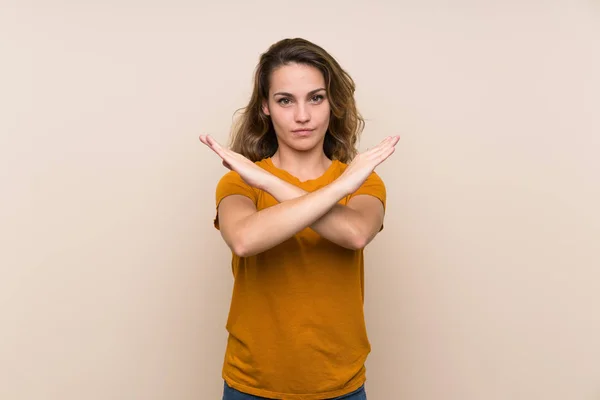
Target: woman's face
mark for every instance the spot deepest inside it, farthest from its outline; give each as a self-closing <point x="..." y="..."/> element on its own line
<point x="298" y="106"/>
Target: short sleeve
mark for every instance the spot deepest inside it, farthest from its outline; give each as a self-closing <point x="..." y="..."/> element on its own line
<point x="230" y="184"/>
<point x="373" y="186"/>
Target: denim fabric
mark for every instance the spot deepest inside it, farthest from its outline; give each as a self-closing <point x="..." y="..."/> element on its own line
<point x="230" y="393"/>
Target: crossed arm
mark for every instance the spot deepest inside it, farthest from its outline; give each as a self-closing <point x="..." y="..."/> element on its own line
<point x="248" y="231"/>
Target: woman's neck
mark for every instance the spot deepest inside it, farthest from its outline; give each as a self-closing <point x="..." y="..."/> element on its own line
<point x="304" y="165"/>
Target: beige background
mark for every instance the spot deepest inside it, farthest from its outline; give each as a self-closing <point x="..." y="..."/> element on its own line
<point x="485" y="284"/>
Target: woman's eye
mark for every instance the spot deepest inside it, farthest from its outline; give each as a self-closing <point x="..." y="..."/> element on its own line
<point x="284" y="101"/>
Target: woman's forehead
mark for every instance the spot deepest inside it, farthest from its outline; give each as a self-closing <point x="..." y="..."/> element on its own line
<point x="296" y="79"/>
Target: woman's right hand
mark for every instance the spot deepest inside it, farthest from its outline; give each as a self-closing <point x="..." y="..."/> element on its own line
<point x="251" y="173"/>
<point x="364" y="164"/>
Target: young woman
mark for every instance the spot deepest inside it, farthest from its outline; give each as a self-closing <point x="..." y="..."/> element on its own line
<point x="297" y="209"/>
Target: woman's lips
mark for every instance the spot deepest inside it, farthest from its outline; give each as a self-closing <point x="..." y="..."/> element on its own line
<point x="303" y="132"/>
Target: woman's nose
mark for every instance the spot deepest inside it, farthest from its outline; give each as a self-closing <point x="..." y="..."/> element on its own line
<point x="302" y="113"/>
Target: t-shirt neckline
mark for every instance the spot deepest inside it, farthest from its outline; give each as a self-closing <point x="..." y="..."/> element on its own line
<point x="289" y="176"/>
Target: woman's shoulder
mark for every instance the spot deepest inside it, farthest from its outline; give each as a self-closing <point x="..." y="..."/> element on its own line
<point x="263" y="163"/>
<point x="231" y="174"/>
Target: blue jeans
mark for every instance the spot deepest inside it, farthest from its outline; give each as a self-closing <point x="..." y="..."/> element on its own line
<point x="230" y="393"/>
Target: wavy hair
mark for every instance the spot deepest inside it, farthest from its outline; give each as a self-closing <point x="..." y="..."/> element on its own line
<point x="253" y="134"/>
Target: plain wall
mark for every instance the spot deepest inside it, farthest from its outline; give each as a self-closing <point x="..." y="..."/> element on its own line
<point x="484" y="284"/>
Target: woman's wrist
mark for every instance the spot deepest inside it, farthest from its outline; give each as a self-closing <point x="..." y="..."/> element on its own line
<point x="270" y="183"/>
<point x="341" y="186"/>
<point x="282" y="190"/>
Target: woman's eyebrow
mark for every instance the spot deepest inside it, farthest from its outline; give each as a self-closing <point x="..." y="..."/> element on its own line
<point x="291" y="95"/>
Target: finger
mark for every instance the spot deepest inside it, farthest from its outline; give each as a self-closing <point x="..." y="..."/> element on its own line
<point x="385" y="155"/>
<point x="391" y="140"/>
<point x="383" y="144"/>
<point x="206" y="143"/>
<point x="215" y="146"/>
<point x="226" y="152"/>
<point x="377" y="150"/>
<point x="388" y="142"/>
<point x="384" y="152"/>
<point x="213" y="142"/>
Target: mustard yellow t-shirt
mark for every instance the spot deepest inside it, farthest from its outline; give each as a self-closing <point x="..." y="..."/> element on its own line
<point x="296" y="324"/>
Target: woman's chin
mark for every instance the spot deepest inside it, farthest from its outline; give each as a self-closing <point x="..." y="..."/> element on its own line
<point x="306" y="145"/>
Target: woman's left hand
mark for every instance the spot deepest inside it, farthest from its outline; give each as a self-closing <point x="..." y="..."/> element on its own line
<point x="251" y="173"/>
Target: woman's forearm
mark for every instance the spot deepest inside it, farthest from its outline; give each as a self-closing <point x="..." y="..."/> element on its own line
<point x="345" y="226"/>
<point x="340" y="224"/>
<point x="273" y="225"/>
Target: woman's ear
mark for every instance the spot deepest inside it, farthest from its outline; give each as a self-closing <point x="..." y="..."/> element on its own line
<point x="265" y="107"/>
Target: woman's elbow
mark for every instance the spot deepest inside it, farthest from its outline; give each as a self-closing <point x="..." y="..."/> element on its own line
<point x="236" y="243"/>
<point x="357" y="239"/>
<point x="240" y="248"/>
<point x="359" y="242"/>
<point x="361" y="238"/>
